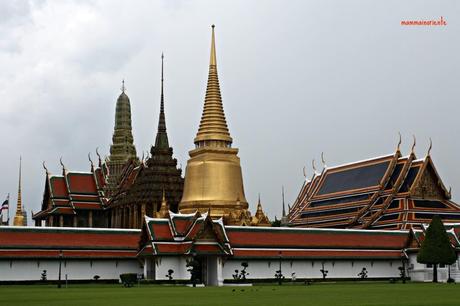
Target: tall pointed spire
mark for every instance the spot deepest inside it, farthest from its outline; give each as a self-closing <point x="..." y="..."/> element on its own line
<point x="213" y="126"/>
<point x="19" y="217"/>
<point x="284" y="218"/>
<point x="122" y="149"/>
<point x="213" y="177"/>
<point x="284" y="207"/>
<point x="161" y="140"/>
<point x="19" y="206"/>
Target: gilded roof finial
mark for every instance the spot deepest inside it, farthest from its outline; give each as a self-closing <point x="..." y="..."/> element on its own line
<point x="429" y="148"/>
<point x="304" y="172"/>
<point x="413" y="145"/>
<point x="399" y="142"/>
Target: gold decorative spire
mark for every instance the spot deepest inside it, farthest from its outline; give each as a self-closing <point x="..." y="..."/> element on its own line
<point x="259" y="205"/>
<point x="164" y="209"/>
<point x="260" y="218"/>
<point x="213" y="130"/>
<point x="19" y="217"/>
<point x="213" y="177"/>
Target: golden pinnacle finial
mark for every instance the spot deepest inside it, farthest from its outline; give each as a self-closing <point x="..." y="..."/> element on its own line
<point x="164" y="209"/>
<point x="213" y="125"/>
<point x="213" y="61"/>
<point x="399" y="142"/>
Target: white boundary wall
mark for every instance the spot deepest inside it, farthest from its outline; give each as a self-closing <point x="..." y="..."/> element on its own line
<point x="266" y="268"/>
<point x="311" y="268"/>
<point x="76" y="269"/>
<point x="421" y="273"/>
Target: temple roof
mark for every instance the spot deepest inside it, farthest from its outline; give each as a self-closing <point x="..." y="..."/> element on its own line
<point x="47" y="242"/>
<point x="71" y="191"/>
<point x="199" y="233"/>
<point x="390" y="191"/>
<point x="184" y="234"/>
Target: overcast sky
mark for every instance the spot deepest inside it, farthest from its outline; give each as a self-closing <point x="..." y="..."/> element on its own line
<point x="297" y="78"/>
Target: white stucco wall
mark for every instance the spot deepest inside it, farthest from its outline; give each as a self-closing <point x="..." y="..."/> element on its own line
<point x="177" y="263"/>
<point x="17" y="270"/>
<point x="421" y="273"/>
<point x="311" y="269"/>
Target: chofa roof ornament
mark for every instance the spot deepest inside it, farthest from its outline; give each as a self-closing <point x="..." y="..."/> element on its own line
<point x="413" y="145"/>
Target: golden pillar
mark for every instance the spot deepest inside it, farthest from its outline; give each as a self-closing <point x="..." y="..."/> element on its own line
<point x="213" y="177"/>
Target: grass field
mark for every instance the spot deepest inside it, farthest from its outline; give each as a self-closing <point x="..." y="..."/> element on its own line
<point x="317" y="294"/>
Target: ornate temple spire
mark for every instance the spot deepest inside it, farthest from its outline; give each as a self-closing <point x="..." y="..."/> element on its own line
<point x="213" y="125"/>
<point x="260" y="218"/>
<point x="122" y="149"/>
<point x="161" y="140"/>
<point x="19" y="217"/>
<point x="213" y="177"/>
<point x="259" y="205"/>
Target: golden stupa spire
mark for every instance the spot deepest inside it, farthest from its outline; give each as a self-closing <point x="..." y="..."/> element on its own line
<point x="213" y="130"/>
<point x="164" y="209"/>
<point x="213" y="177"/>
<point x="19" y="217"/>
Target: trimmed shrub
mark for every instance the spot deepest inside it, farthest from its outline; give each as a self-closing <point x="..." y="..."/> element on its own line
<point x="128" y="279"/>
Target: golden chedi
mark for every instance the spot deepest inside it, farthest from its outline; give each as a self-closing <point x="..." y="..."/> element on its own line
<point x="213" y="178"/>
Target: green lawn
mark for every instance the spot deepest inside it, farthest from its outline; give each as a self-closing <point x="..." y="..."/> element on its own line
<point x="316" y="294"/>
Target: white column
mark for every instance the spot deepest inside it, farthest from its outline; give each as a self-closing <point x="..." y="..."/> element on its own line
<point x="220" y="277"/>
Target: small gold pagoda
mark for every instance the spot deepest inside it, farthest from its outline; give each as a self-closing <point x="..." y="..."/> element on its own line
<point x="20" y="218"/>
<point x="213" y="178"/>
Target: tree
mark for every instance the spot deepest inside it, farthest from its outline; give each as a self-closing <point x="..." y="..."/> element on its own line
<point x="436" y="247"/>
